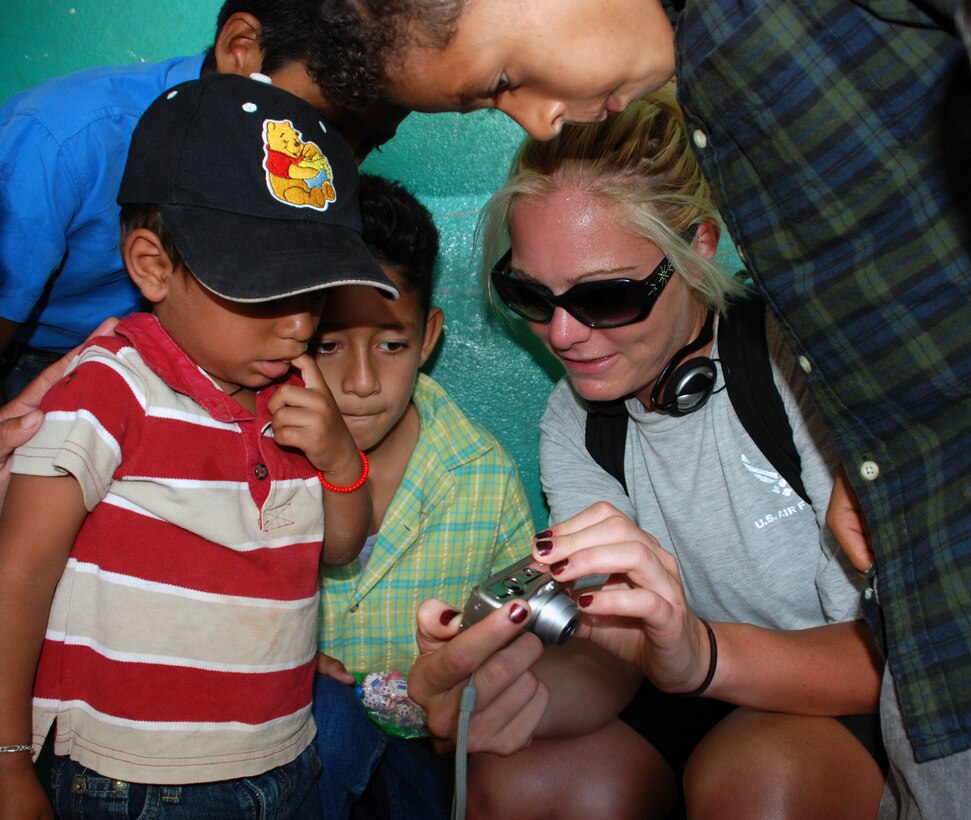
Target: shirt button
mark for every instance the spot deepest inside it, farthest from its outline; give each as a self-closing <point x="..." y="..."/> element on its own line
<point x="805" y="364"/>
<point x="870" y="470"/>
<point x="700" y="138"/>
<point x="868" y="593"/>
<point x="355" y="608"/>
<point x="260" y="471"/>
<point x="741" y="254"/>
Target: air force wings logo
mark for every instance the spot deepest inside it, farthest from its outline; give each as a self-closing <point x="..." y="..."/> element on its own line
<point x="779" y="484"/>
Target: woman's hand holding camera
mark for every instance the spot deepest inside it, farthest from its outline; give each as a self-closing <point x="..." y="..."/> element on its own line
<point x="640" y="614"/>
<point x="510" y="700"/>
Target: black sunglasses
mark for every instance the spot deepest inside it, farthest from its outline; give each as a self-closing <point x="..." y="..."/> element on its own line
<point x="600" y="304"/>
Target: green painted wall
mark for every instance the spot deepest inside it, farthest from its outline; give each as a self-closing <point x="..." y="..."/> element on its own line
<point x="453" y="163"/>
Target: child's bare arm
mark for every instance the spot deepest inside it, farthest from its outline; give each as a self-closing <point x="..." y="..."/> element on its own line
<point x="41" y="518"/>
<point x="308" y="418"/>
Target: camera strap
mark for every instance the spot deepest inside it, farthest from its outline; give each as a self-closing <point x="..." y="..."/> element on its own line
<point x="466" y="707"/>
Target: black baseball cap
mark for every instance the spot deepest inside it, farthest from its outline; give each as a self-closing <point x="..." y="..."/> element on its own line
<point x="259" y="194"/>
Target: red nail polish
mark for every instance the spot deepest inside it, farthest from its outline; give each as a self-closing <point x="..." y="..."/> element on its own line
<point x="544" y="547"/>
<point x="518" y="614"/>
<point x="585" y="600"/>
<point x="559" y="566"/>
<point x="447" y="616"/>
<point x="543" y="534"/>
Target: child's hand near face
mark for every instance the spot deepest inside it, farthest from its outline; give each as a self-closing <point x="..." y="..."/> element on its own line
<point x="308" y="419"/>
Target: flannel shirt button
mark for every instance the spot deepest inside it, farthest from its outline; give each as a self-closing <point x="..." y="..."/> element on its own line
<point x="870" y="470"/>
<point x="355" y="608"/>
<point x="260" y="471"/>
<point x="805" y="364"/>
<point x="700" y="138"/>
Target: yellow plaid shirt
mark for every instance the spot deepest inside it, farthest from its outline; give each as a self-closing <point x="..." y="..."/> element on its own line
<point x="459" y="515"/>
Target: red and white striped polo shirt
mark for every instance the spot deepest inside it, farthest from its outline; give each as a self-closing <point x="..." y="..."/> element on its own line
<point x="181" y="640"/>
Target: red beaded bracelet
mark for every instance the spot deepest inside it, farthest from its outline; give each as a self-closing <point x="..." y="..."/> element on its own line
<point x="355" y="486"/>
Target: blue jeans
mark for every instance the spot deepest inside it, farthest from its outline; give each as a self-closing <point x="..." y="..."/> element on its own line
<point x="367" y="773"/>
<point x="284" y="792"/>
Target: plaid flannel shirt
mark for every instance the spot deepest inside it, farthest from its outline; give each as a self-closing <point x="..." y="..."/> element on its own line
<point x="837" y="138"/>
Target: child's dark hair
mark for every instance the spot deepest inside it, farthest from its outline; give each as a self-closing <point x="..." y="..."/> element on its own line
<point x="372" y="36"/>
<point x="350" y="47"/>
<point x="399" y="232"/>
<point x="150" y="218"/>
<point x="327" y="36"/>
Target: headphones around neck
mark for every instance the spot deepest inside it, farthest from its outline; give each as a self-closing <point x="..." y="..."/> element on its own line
<point x="690" y="386"/>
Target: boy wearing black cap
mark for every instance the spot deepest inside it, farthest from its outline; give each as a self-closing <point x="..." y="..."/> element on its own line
<point x="177" y="493"/>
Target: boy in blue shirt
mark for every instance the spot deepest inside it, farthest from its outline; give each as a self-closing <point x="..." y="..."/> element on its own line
<point x="63" y="146"/>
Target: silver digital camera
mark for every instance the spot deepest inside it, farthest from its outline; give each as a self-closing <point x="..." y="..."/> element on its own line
<point x="553" y="614"/>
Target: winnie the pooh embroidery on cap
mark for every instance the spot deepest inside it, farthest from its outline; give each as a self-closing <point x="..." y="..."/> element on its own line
<point x="296" y="171"/>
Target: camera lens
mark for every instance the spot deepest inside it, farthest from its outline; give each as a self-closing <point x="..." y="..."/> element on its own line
<point x="557" y="620"/>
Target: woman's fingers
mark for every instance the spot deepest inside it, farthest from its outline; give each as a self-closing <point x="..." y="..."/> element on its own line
<point x="438" y="622"/>
<point x="510" y="701"/>
<point x="599" y="513"/>
<point x="630" y="563"/>
<point x="507" y="723"/>
<point x="599" y="525"/>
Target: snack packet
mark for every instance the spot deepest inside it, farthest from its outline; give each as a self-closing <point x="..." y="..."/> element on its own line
<point x="385" y="698"/>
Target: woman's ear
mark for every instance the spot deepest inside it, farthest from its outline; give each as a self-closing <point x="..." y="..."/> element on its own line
<point x="433" y="329"/>
<point x="237" y="49"/>
<point x="706" y="239"/>
<point x="148" y="264"/>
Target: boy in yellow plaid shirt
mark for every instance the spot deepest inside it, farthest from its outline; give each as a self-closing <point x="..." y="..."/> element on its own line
<point x="449" y="510"/>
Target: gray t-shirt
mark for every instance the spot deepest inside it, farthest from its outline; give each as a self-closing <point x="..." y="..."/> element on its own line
<point x="750" y="549"/>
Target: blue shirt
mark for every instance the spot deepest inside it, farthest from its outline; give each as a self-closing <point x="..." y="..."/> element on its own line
<point x="837" y="138"/>
<point x="63" y="147"/>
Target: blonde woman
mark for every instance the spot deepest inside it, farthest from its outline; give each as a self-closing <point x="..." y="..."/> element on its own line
<point x="724" y="584"/>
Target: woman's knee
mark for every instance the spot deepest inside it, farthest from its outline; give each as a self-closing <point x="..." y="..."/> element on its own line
<point x="767" y="765"/>
<point x="611" y="773"/>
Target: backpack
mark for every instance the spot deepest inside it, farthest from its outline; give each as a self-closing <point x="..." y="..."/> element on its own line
<point x="744" y="356"/>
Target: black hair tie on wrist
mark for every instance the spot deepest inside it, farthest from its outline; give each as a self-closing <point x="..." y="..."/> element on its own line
<point x="712" y="663"/>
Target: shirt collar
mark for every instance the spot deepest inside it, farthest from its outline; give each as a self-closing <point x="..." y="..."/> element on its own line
<point x="171" y="364"/>
<point x="184" y="70"/>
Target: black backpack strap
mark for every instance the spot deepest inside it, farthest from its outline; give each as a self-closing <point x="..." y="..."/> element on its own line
<point x="744" y="355"/>
<point x="606" y="436"/>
